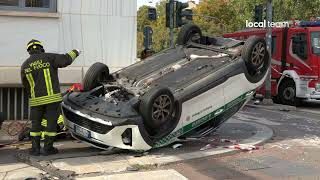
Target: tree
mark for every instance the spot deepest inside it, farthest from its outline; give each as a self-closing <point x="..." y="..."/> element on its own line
<point x="160" y="32"/>
<point x="229" y="16"/>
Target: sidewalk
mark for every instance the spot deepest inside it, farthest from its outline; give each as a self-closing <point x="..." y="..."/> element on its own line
<point x="154" y="175"/>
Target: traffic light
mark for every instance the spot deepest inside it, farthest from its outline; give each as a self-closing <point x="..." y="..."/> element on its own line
<point x="147" y="40"/>
<point x="168" y="15"/>
<point x="182" y="14"/>
<point x="258" y="13"/>
<point x="152" y="14"/>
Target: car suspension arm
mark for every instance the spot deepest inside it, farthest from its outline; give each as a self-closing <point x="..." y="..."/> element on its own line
<point x="192" y="44"/>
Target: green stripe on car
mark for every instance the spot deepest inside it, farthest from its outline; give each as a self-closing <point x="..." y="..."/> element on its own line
<point x="173" y="136"/>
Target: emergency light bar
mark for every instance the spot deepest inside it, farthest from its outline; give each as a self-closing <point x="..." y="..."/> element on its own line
<point x="309" y="23"/>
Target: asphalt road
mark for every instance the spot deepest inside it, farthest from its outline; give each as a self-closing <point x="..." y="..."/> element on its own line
<point x="293" y="152"/>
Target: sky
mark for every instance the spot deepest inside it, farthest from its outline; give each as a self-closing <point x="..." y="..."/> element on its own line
<point x="153" y="2"/>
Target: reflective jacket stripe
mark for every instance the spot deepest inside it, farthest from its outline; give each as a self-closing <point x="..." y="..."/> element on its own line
<point x="73" y="55"/>
<point x="60" y="120"/>
<point x="35" y="134"/>
<point x="32" y="85"/>
<point x="47" y="78"/>
<point x="51" y="134"/>
<point x="44" y="122"/>
<point x="45" y="100"/>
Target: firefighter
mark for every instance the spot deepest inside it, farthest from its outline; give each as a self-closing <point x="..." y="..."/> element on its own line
<point x="39" y="75"/>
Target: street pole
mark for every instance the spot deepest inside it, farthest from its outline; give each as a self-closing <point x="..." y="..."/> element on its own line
<point x="171" y="5"/>
<point x="268" y="98"/>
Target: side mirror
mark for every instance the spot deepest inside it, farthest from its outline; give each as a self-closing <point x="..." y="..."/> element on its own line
<point x="316" y="45"/>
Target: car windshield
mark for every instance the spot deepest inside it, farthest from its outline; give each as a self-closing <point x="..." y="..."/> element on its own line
<point x="315" y="39"/>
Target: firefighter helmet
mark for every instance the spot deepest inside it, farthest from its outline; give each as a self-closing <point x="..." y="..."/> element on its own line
<point x="33" y="44"/>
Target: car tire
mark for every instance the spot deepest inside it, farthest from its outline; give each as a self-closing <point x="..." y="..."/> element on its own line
<point x="287" y="92"/>
<point x="256" y="58"/>
<point x="95" y="75"/>
<point x="187" y="33"/>
<point x="156" y="108"/>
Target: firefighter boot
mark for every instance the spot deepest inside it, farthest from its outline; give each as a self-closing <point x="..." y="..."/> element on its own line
<point x="48" y="148"/>
<point x="35" y="150"/>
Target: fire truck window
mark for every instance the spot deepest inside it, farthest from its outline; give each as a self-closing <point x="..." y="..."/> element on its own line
<point x="274" y="45"/>
<point x="299" y="45"/>
<point x="315" y="39"/>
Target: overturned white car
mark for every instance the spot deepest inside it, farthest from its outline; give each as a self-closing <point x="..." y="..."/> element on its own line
<point x="197" y="85"/>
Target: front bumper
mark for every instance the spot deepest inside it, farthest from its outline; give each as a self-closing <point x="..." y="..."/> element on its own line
<point x="101" y="133"/>
<point x="312" y="94"/>
<point x="315" y="95"/>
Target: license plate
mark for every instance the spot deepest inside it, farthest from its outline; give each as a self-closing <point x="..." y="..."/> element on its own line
<point x="82" y="132"/>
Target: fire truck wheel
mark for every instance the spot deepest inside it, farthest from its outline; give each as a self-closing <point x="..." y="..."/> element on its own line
<point x="189" y="32"/>
<point x="287" y="92"/>
<point x="95" y="75"/>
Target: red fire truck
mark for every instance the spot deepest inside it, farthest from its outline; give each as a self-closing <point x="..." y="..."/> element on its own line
<point x="295" y="61"/>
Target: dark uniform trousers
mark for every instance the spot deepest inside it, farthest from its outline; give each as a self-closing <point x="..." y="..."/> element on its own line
<point x="37" y="113"/>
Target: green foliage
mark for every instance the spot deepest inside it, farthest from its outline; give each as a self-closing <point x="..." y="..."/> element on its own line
<point x="160" y="32"/>
<point x="232" y="15"/>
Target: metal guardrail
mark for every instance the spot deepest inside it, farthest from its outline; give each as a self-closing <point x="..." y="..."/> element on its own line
<point x="14" y="103"/>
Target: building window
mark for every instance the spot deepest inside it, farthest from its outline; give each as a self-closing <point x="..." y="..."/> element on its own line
<point x="29" y="5"/>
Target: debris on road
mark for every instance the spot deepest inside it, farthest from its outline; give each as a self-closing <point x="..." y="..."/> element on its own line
<point x="209" y="146"/>
<point x="228" y="140"/>
<point x="133" y="168"/>
<point x="243" y="147"/>
<point x="215" y="143"/>
<point x="177" y="146"/>
<point x="218" y="140"/>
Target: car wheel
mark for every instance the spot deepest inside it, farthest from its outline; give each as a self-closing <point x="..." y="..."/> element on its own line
<point x="156" y="108"/>
<point x="189" y="32"/>
<point x="256" y="58"/>
<point x="287" y="92"/>
<point x="95" y="75"/>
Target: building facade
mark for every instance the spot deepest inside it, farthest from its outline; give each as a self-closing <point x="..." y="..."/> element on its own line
<point x="104" y="30"/>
